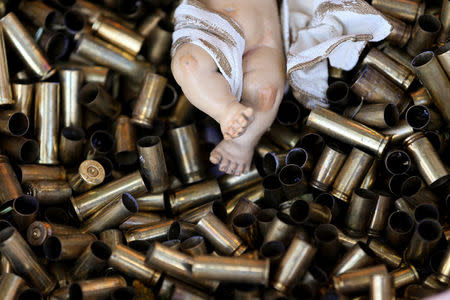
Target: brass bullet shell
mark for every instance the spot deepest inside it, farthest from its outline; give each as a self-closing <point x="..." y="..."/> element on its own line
<point x="393" y="70"/>
<point x="47" y="121"/>
<point x="132" y="263"/>
<point x="176" y="264"/>
<point x="254" y="194"/>
<point x="294" y="264"/>
<point x="13" y="123"/>
<point x="243" y="206"/>
<point x="338" y="94"/>
<point x="71" y="144"/>
<point x="327" y="241"/>
<point x="124" y="293"/>
<point x="408" y="10"/>
<point x="421" y="97"/>
<point x="215" y="231"/>
<point x="158" y="45"/>
<point x="187" y="153"/>
<point x="66" y="247"/>
<point x="292" y="181"/>
<point x="153" y="232"/>
<point x="10" y="188"/>
<point x="6" y="96"/>
<point x="98" y="288"/>
<point x="183" y="113"/>
<point x="112" y="214"/>
<point x="196" y="214"/>
<point x="273" y="191"/>
<point x="380" y="214"/>
<point x="301" y="158"/>
<point x="153" y="163"/>
<point x="423" y="35"/>
<point x="194" y="246"/>
<point x="282" y="228"/>
<point x="172" y="244"/>
<point x="349" y="242"/>
<point x="286" y="138"/>
<point x="404" y="276"/>
<point x="24" y="211"/>
<point x="39" y="13"/>
<point x="99" y="74"/>
<point x="94" y="97"/>
<point x="246" y="227"/>
<point x="445" y="20"/>
<point x="71" y="79"/>
<point x="303" y="212"/>
<point x="265" y="146"/>
<point x="274" y="251"/>
<point x="398" y="55"/>
<point x="180" y="230"/>
<point x="26" y="47"/>
<point x="444" y="268"/>
<point x="24" y="261"/>
<point x="360" y="211"/>
<point x="347" y="131"/>
<point x="90" y="174"/>
<point x="125" y="151"/>
<point x="426" y="211"/>
<point x="230" y="184"/>
<point x="91" y="261"/>
<point x="24" y="95"/>
<point x="374" y="87"/>
<point x="385" y="254"/>
<point x="427" y="160"/>
<point x="433" y="77"/>
<point x="355" y="258"/>
<point x="118" y="35"/>
<point x="147" y="104"/>
<point x="151" y="202"/>
<point x="421" y="117"/>
<point x="414" y="192"/>
<point x="5" y="265"/>
<point x="397" y="162"/>
<point x="288" y="113"/>
<point x="443" y="55"/>
<point x="264" y="218"/>
<point x="38" y="232"/>
<point x="357" y="280"/>
<point x="425" y="237"/>
<point x="351" y="174"/>
<point x="381" y="287"/>
<point x="329" y="201"/>
<point x="399" y="132"/>
<point x="401" y="204"/>
<point x="327" y="168"/>
<point x="10" y="286"/>
<point x="194" y="195"/>
<point x="400" y="32"/>
<point x="231" y="269"/>
<point x="399" y="229"/>
<point x="88" y="203"/>
<point x="100" y="143"/>
<point x="48" y="192"/>
<point x="107" y="55"/>
<point x="59" y="271"/>
<point x="274" y="162"/>
<point x="112" y="237"/>
<point x="370" y="179"/>
<point x="374" y="115"/>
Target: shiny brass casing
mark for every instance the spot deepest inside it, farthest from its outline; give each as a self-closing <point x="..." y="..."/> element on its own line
<point x="153" y="163"/>
<point x="423" y="35"/>
<point x="347" y="131"/>
<point x="404" y="276"/>
<point x="355" y="258"/>
<point x="151" y="202"/>
<point x="381" y="287"/>
<point x="400" y="32"/>
<point x="125" y="151"/>
<point x="13" y="123"/>
<point x="196" y="214"/>
<point x="398" y="55"/>
<point x="39" y="231"/>
<point x="380" y="214"/>
<point x="71" y="79"/>
<point x="25" y="209"/>
<point x="304" y="212"/>
<point x="93" y="259"/>
<point x="10" y="286"/>
<point x="443" y="55"/>
<point x="282" y="228"/>
<point x="41" y="172"/>
<point x="407" y="10"/>
<point x="292" y="181"/>
<point x="48" y="192"/>
<point x="327" y="168"/>
<point x="90" y="174"/>
<point x="71" y="142"/>
<point x="399" y="132"/>
<point x="6" y="95"/>
<point x="445" y="20"/>
<point x="246" y="227"/>
<point x="230" y="184"/>
<point x="10" y="187"/>
<point x="357" y="280"/>
<point x="194" y="246"/>
<point x="385" y="254"/>
<point x="66" y="247"/>
<point x="96" y="99"/>
<point x="112" y="237"/>
<point x="425" y="237"/>
<point x="379" y="115"/>
<point x="158" y="45"/>
<point x="152" y="232"/>
<point x="183" y="113"/>
<point x="399" y="229"/>
<point x="24" y="96"/>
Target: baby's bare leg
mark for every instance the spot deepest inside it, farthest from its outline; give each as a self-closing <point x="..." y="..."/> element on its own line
<point x="264" y="79"/>
<point x="196" y="72"/>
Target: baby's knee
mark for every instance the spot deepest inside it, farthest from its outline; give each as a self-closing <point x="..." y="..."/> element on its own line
<point x="185" y="62"/>
<point x="268" y="97"/>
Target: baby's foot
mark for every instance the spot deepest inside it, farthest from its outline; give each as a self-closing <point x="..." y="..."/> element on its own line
<point x="236" y="120"/>
<point x="233" y="157"/>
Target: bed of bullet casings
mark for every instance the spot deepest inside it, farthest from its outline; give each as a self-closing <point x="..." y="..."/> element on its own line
<point x="106" y="191"/>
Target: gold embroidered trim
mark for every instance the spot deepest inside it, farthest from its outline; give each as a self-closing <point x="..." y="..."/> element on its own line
<point x="223" y="62"/>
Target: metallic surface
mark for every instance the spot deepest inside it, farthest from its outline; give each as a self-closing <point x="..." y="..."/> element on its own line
<point x="443" y="55"/>
<point x="39" y="231"/>
<point x="378" y="115"/>
<point x="13" y="123"/>
<point x="196" y="214"/>
<point x="426" y="237"/>
<point x="6" y="96"/>
<point x="347" y="131"/>
<point x="25" y="209"/>
<point x="385" y="254"/>
<point x="232" y="269"/>
<point x="151" y="202"/>
<point x="224" y="241"/>
<point x="147" y="104"/>
<point x="24" y="261"/>
<point x="399" y="132"/>
<point x="327" y="168"/>
<point x="433" y="77"/>
<point x="10" y="187"/>
<point x="98" y="288"/>
<point x="48" y="192"/>
<point x="380" y="214"/>
<point x="351" y="174"/>
<point x="90" y="202"/>
<point x="294" y="264"/>
<point x="158" y="45"/>
<point x="140" y="219"/>
<point x="445" y="20"/>
<point x="400" y="32"/>
<point x="153" y="232"/>
<point x="292" y="181"/>
<point x="265" y="218"/>
<point x="46" y="120"/>
<point x="95" y="98"/>
<point x="183" y="113"/>
<point x="355" y="258"/>
<point x="24" y="96"/>
<point x="111" y="215"/>
<point x="180" y="230"/>
<point x="71" y="142"/>
<point x="396" y="72"/>
<point x="112" y="237"/>
<point x="381" y="287"/>
<point x="193" y="196"/>
<point x="194" y="246"/>
<point x="427" y="160"/>
<point x="282" y="229"/>
<point x="423" y="35"/>
<point x="357" y="280"/>
<point x="399" y="229"/>
<point x="26" y="47"/>
<point x="398" y="55"/>
<point x="132" y="264"/>
<point x="407" y="10"/>
<point x="10" y="286"/>
<point x="71" y="79"/>
<point x="153" y="163"/>
<point x="444" y="268"/>
<point x="246" y="227"/>
<point x="66" y="247"/>
<point x="125" y="151"/>
<point x="304" y="212"/>
<point x="404" y="276"/>
<point x="187" y="153"/>
<point x="90" y="174"/>
<point x="93" y="259"/>
<point x="40" y="172"/>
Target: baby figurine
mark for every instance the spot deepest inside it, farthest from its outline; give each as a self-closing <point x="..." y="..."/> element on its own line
<point x="229" y="60"/>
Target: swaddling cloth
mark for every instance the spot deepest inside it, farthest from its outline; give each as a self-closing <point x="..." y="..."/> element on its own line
<point x="315" y="30"/>
<point x="217" y="34"/>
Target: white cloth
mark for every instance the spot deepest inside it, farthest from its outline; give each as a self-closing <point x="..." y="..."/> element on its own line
<point x="217" y="34"/>
<point x="315" y="30"/>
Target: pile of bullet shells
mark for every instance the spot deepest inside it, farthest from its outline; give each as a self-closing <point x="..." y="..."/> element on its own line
<point x="106" y="191"/>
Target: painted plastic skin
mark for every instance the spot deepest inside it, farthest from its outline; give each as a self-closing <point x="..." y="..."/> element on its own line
<point x="242" y="123"/>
